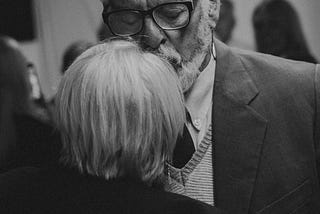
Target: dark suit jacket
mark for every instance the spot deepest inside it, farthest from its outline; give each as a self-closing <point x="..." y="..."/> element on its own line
<point x="37" y="143"/>
<point x="266" y="119"/>
<point x="60" y="190"/>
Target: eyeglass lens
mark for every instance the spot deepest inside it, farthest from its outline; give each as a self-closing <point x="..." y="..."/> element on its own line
<point x="125" y="22"/>
<point x="168" y="16"/>
<point x="171" y="16"/>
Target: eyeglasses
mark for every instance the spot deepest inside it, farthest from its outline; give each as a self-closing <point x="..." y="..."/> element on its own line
<point x="168" y="16"/>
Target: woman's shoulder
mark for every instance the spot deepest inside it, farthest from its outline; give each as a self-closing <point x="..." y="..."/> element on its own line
<point x="159" y="201"/>
<point x="18" y="182"/>
<point x="62" y="189"/>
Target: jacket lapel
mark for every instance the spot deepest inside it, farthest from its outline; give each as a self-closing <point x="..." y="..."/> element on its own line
<point x="238" y="133"/>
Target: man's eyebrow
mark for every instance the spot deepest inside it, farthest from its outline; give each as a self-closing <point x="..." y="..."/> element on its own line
<point x="110" y="4"/>
<point x="107" y="6"/>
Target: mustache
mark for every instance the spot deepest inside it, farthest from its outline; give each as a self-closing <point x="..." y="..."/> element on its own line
<point x="164" y="51"/>
<point x="171" y="55"/>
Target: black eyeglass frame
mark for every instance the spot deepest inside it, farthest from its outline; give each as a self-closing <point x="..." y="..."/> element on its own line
<point x="144" y="13"/>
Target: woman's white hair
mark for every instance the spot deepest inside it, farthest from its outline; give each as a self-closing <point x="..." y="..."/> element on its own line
<point x="119" y="110"/>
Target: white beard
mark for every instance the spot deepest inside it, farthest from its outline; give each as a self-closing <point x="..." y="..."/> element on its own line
<point x="187" y="70"/>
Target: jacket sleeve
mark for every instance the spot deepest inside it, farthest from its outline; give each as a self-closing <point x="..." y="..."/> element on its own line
<point x="317" y="116"/>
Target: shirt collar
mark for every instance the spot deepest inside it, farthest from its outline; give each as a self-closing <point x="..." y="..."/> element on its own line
<point x="199" y="99"/>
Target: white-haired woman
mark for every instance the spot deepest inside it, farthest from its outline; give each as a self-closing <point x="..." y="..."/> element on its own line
<point x="119" y="110"/>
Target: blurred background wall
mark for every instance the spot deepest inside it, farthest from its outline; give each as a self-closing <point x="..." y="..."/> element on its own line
<point x="58" y="24"/>
<point x="61" y="22"/>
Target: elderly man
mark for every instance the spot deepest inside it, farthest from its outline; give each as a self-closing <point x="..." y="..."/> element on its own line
<point x="251" y="141"/>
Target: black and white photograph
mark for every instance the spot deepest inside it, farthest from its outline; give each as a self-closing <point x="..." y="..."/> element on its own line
<point x="159" y="106"/>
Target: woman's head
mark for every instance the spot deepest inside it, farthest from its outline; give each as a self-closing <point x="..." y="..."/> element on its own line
<point x="14" y="73"/>
<point x="120" y="111"/>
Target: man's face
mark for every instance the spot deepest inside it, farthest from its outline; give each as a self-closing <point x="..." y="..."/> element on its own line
<point x="184" y="48"/>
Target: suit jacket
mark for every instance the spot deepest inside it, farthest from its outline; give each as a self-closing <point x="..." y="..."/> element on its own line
<point x="60" y="190"/>
<point x="266" y="120"/>
<point x="37" y="143"/>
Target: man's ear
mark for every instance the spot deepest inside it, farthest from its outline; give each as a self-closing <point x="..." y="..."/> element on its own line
<point x="214" y="10"/>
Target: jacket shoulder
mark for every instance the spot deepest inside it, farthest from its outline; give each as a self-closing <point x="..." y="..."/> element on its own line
<point x="273" y="65"/>
<point x="279" y="76"/>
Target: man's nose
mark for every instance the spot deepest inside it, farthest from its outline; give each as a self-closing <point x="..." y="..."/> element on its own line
<point x="152" y="35"/>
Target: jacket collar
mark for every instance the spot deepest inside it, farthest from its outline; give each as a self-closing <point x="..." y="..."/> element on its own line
<point x="239" y="132"/>
<point x="232" y="77"/>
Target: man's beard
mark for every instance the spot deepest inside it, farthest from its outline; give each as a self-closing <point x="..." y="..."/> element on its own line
<point x="188" y="69"/>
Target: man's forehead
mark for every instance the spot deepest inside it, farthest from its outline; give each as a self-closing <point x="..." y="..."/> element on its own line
<point x="138" y="4"/>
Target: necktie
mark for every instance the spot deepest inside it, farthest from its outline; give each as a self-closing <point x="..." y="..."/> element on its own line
<point x="184" y="149"/>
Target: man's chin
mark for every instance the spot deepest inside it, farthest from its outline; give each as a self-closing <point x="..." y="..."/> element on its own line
<point x="188" y="74"/>
<point x="186" y="88"/>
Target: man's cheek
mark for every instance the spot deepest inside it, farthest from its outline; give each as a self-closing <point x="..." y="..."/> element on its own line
<point x="177" y="40"/>
<point x="174" y="36"/>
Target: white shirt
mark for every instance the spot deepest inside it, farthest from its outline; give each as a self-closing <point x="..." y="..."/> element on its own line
<point x="199" y="102"/>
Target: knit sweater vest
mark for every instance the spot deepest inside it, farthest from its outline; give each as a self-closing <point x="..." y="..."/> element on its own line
<point x="195" y="179"/>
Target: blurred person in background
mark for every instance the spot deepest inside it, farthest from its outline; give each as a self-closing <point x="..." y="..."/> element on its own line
<point x="74" y="50"/>
<point x="278" y="31"/>
<point x="26" y="138"/>
<point x="119" y="111"/>
<point x="103" y="32"/>
<point x="37" y="96"/>
<point x="227" y="21"/>
<point x="70" y="54"/>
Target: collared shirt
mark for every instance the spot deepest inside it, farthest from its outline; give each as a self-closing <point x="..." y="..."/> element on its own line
<point x="199" y="102"/>
<point x="195" y="179"/>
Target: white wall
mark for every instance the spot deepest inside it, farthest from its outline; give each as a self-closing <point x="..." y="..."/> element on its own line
<point x="308" y="12"/>
<point x="59" y="23"/>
